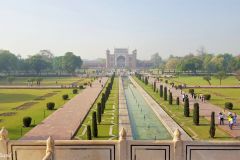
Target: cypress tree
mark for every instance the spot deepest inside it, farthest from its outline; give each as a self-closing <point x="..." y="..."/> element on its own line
<point x="186" y="107"/>
<point x="154" y="86"/>
<point x="177" y="101"/>
<point x="161" y="90"/>
<point x="212" y="125"/>
<point x="103" y="102"/>
<point x="89" y="134"/>
<point x="146" y="80"/>
<point x="196" y="113"/>
<point x="165" y="93"/>
<point x="94" y="124"/>
<point x="99" y="113"/>
<point x="170" y="98"/>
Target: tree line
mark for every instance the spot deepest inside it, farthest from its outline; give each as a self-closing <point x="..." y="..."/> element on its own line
<point x="44" y="61"/>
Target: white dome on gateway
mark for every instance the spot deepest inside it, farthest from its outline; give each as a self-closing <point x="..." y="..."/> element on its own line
<point x="121" y="58"/>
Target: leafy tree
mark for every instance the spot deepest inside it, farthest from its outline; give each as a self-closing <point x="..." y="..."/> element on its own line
<point x="192" y="64"/>
<point x="38" y="63"/>
<point x="8" y="61"/>
<point x="208" y="79"/>
<point x="221" y="76"/>
<point x="10" y="79"/>
<point x="238" y="75"/>
<point x="71" y="62"/>
<point x="156" y="60"/>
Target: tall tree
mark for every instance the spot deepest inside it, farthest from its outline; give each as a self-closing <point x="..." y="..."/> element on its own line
<point x="221" y="76"/>
<point x="38" y="63"/>
<point x="71" y="62"/>
<point x="156" y="60"/>
<point x="8" y="61"/>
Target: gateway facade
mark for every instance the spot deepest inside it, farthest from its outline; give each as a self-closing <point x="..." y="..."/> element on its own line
<point x="121" y="58"/>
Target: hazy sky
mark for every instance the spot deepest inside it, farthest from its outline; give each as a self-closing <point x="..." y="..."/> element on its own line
<point x="90" y="27"/>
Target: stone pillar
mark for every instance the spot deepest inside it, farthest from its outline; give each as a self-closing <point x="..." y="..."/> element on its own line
<point x="50" y="150"/>
<point x="178" y="145"/>
<point x="4" y="144"/>
<point x="122" y="145"/>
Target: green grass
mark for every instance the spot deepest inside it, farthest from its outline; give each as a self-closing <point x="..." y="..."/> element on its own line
<point x="221" y="95"/>
<point x="199" y="81"/>
<point x="200" y="132"/>
<point x="47" y="81"/>
<point x="104" y="127"/>
<point x="11" y="98"/>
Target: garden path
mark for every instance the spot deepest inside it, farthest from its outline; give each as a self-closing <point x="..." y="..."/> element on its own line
<point x="205" y="109"/>
<point x="64" y="122"/>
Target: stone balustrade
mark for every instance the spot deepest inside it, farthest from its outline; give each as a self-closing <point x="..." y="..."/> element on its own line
<point x="122" y="149"/>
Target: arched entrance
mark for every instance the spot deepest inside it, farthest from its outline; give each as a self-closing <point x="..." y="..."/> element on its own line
<point x="121" y="62"/>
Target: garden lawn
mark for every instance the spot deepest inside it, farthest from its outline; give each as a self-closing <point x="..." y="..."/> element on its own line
<point x="12" y="98"/>
<point x="199" y="81"/>
<point x="110" y="114"/>
<point x="221" y="95"/>
<point x="47" y="81"/>
<point x="200" y="132"/>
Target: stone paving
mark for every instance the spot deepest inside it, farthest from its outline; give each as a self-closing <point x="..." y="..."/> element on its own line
<point x="124" y="121"/>
<point x="64" y="122"/>
<point x="205" y="109"/>
<point x="168" y="122"/>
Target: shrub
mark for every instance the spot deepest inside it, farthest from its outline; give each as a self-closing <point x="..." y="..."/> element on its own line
<point x="99" y="113"/>
<point x="65" y="96"/>
<point x="75" y="91"/>
<point x="191" y="91"/>
<point x="212" y="125"/>
<point x="207" y="96"/>
<point x="81" y="87"/>
<point x="165" y="93"/>
<point x="85" y="84"/>
<point x="27" y="121"/>
<point x="166" y="81"/>
<point x="229" y="105"/>
<point x="94" y="124"/>
<point x="161" y="90"/>
<point x="186" y="107"/>
<point x="154" y="86"/>
<point x="170" y="98"/>
<point x="50" y="105"/>
<point x="177" y="101"/>
<point x="196" y="113"/>
<point x="89" y="134"/>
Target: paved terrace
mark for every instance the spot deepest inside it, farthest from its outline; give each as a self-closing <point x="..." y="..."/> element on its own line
<point x="64" y="122"/>
<point x="168" y="122"/>
<point x="205" y="109"/>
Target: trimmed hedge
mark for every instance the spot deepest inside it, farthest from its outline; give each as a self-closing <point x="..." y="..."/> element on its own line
<point x="170" y="99"/>
<point x="27" y="121"/>
<point x="229" y="105"/>
<point x="75" y="91"/>
<point x="81" y="87"/>
<point x="207" y="96"/>
<point x="50" y="105"/>
<point x="65" y="96"/>
<point x="165" y="93"/>
<point x="94" y="124"/>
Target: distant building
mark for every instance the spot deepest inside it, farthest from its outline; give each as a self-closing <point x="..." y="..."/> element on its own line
<point x="121" y="58"/>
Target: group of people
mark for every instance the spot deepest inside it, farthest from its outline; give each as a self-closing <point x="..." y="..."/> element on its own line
<point x="232" y="119"/>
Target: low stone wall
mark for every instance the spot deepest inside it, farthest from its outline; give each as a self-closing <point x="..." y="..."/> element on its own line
<point x="122" y="149"/>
